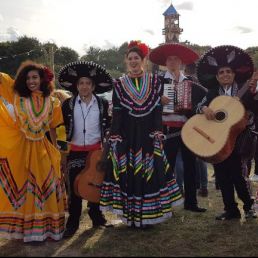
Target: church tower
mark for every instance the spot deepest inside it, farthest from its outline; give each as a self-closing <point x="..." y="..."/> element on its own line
<point x="172" y="30"/>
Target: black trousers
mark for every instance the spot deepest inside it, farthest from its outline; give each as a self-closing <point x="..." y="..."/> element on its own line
<point x="255" y="160"/>
<point x="230" y="177"/>
<point x="76" y="163"/>
<point x="249" y="162"/>
<point x="172" y="147"/>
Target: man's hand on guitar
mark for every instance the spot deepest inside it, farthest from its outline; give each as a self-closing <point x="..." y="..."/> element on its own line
<point x="164" y="100"/>
<point x="208" y="112"/>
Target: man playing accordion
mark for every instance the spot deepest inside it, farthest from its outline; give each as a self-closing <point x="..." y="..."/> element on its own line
<point x="180" y="96"/>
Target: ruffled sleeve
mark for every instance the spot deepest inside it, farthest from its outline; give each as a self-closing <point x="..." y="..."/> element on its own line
<point x="57" y="118"/>
<point x="6" y="87"/>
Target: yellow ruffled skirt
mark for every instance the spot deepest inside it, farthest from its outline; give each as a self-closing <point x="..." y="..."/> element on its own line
<point x="32" y="190"/>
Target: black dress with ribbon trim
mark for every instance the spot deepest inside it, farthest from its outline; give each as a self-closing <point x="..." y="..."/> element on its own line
<point x="139" y="184"/>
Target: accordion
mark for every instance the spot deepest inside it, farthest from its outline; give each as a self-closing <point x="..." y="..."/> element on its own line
<point x="180" y="95"/>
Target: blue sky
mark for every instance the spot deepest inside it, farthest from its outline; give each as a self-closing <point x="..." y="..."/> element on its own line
<point x="79" y="24"/>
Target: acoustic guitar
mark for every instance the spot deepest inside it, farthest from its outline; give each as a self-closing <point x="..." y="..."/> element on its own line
<point x="214" y="140"/>
<point x="87" y="184"/>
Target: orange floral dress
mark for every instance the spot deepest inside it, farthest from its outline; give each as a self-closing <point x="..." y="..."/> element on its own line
<point x="32" y="190"/>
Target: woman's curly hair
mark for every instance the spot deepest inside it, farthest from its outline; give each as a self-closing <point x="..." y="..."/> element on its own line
<point x="46" y="78"/>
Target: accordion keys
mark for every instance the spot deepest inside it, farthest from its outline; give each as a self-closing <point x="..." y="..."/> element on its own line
<point x="180" y="96"/>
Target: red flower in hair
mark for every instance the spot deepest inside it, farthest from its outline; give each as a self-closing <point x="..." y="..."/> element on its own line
<point x="48" y="75"/>
<point x="143" y="47"/>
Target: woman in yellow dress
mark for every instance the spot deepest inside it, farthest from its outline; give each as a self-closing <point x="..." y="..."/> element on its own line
<point x="32" y="191"/>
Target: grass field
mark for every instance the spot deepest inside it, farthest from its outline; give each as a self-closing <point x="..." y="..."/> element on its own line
<point x="186" y="234"/>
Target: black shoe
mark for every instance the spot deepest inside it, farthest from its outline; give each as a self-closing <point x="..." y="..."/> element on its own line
<point x="228" y="216"/>
<point x="102" y="224"/>
<point x="250" y="214"/>
<point x="100" y="221"/>
<point x="195" y="208"/>
<point x="70" y="231"/>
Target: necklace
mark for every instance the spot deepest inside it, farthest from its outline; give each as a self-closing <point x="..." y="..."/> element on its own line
<point x="84" y="120"/>
<point x="135" y="75"/>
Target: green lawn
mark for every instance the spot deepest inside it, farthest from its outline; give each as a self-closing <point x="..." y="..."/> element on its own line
<point x="186" y="234"/>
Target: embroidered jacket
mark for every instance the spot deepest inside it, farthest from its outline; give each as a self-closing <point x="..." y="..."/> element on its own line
<point x="68" y="114"/>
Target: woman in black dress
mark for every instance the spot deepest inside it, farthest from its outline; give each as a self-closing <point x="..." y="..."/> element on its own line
<point x="139" y="183"/>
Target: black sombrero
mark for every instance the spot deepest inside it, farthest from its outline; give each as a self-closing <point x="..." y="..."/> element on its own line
<point x="160" y="54"/>
<point x="69" y="75"/>
<point x="224" y="56"/>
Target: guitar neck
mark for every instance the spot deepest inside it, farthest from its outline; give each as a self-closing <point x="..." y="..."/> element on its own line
<point x="243" y="90"/>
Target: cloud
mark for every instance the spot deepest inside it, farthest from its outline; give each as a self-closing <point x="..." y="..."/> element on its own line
<point x="108" y="45"/>
<point x="151" y="32"/>
<point x="1" y="18"/>
<point x="11" y="34"/>
<point x="185" y="6"/>
<point x="243" y="30"/>
<point x="165" y="2"/>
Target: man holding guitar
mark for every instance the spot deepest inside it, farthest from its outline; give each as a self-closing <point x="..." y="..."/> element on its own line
<point x="224" y="70"/>
<point x="86" y="120"/>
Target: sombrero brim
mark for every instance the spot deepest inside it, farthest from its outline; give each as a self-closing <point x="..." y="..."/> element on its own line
<point x="160" y="54"/>
<point x="224" y="56"/>
<point x="70" y="74"/>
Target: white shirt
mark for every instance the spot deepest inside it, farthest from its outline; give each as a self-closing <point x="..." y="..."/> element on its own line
<point x="86" y="117"/>
<point x="228" y="90"/>
<point x="174" y="117"/>
<point x="171" y="76"/>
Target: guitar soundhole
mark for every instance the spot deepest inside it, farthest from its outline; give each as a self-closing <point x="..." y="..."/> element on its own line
<point x="220" y="116"/>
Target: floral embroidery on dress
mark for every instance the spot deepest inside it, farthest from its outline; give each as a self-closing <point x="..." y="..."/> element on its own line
<point x="34" y="114"/>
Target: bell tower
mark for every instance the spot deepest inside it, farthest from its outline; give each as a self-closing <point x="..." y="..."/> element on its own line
<point x="172" y="30"/>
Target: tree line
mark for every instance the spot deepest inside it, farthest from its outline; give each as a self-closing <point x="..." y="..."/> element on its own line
<point x="12" y="53"/>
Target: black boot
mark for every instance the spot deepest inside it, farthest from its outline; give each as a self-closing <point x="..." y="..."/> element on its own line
<point x="72" y="226"/>
<point x="97" y="217"/>
<point x="229" y="215"/>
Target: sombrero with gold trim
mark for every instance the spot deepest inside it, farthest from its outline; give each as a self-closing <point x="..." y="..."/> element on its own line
<point x="224" y="56"/>
<point x="160" y="54"/>
<point x="72" y="72"/>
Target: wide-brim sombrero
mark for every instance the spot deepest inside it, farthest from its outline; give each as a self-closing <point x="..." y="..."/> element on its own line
<point x="160" y="54"/>
<point x="224" y="56"/>
<point x="70" y="74"/>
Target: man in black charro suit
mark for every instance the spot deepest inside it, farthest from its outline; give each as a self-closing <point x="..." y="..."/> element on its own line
<point x="86" y="120"/>
<point x="224" y="70"/>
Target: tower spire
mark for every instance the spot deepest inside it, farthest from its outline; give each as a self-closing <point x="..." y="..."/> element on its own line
<point x="172" y="29"/>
